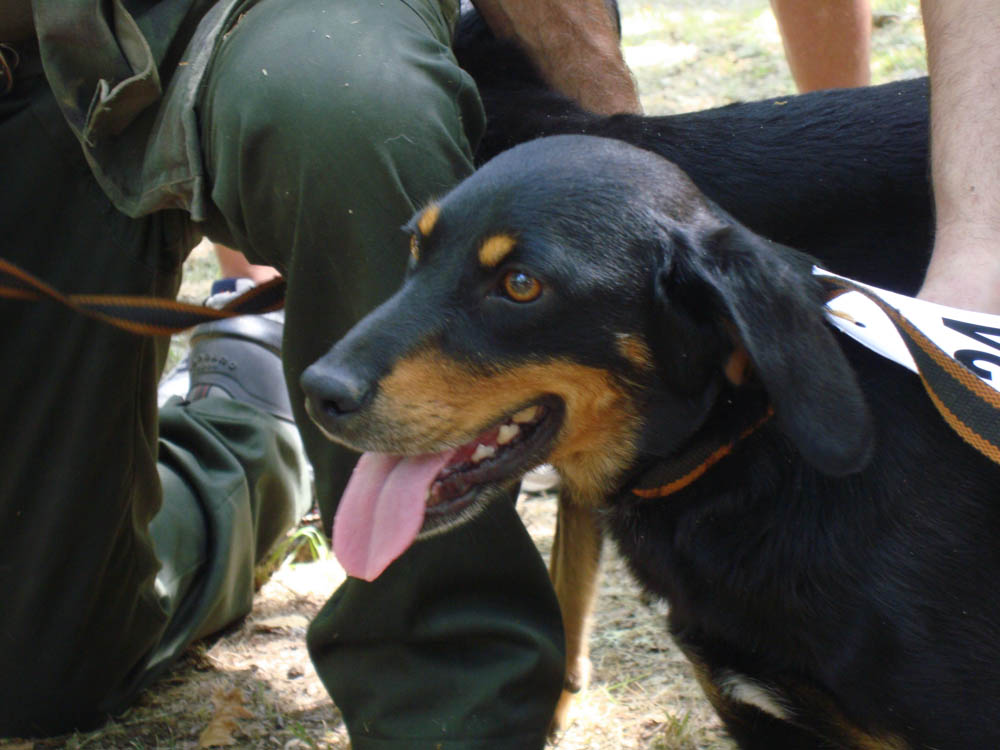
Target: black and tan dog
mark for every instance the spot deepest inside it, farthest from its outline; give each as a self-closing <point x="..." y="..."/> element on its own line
<point x="827" y="545"/>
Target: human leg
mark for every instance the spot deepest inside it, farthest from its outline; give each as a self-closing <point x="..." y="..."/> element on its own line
<point x="827" y="42"/>
<point x="109" y="563"/>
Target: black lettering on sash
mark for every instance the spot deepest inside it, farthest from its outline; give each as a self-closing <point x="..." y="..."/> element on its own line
<point x="969" y="357"/>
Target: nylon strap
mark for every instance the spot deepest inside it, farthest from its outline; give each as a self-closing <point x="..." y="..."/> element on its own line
<point x="968" y="405"/>
<point x="148" y="316"/>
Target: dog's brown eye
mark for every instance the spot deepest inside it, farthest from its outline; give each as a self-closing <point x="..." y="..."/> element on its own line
<point x="520" y="287"/>
<point x="414" y="247"/>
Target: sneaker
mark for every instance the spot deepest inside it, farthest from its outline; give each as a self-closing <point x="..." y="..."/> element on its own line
<point x="177" y="382"/>
<point x="237" y="358"/>
<point x="225" y="290"/>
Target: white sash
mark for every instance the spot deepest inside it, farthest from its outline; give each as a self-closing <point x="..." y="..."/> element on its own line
<point x="973" y="338"/>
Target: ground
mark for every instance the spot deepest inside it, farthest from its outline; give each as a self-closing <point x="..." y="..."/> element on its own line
<point x="254" y="687"/>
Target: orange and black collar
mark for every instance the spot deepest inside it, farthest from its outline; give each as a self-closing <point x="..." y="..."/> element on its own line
<point x="666" y="476"/>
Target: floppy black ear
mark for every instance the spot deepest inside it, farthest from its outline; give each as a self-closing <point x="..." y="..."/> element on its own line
<point x="774" y="305"/>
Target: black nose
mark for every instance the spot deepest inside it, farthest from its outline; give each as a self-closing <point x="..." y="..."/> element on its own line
<point x="332" y="393"/>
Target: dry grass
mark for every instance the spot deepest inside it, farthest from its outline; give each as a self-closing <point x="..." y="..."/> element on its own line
<point x="687" y="54"/>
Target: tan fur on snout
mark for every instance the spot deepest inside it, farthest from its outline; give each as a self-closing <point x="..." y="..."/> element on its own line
<point x="429" y="401"/>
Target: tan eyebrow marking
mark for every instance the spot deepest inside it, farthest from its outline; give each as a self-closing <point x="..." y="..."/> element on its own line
<point x="494" y="249"/>
<point x="635" y="350"/>
<point x="428" y="219"/>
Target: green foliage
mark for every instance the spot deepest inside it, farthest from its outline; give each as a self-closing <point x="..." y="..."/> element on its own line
<point x="304" y="543"/>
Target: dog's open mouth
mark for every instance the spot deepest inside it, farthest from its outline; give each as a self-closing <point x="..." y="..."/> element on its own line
<point x="391" y="500"/>
<point x="500" y="454"/>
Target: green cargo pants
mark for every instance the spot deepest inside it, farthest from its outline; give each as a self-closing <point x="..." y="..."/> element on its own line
<point x="123" y="535"/>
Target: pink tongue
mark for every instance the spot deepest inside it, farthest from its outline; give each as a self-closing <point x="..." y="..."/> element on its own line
<point x="382" y="510"/>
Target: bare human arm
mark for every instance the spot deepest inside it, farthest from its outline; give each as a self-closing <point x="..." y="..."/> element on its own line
<point x="575" y="45"/>
<point x="963" y="56"/>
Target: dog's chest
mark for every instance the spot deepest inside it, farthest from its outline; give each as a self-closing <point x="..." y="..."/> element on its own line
<point x="762" y="583"/>
<point x="689" y="558"/>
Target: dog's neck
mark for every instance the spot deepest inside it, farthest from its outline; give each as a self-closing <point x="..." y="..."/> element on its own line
<point x="734" y="415"/>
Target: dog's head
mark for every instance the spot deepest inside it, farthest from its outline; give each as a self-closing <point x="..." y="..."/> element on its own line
<point x="576" y="301"/>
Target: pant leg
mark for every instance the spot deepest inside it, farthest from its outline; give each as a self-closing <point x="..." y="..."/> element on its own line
<point x="325" y="125"/>
<point x="87" y="614"/>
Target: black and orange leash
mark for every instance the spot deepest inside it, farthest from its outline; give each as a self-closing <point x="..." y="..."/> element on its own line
<point x="148" y="316"/>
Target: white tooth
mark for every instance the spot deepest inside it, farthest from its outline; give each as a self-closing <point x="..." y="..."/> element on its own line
<point x="507" y="433"/>
<point x="526" y="415"/>
<point x="483" y="451"/>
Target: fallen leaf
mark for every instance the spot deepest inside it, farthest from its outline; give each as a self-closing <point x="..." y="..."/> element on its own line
<point x="228" y="708"/>
<point x="218" y="733"/>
